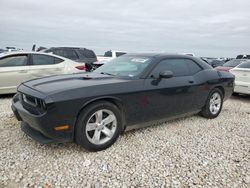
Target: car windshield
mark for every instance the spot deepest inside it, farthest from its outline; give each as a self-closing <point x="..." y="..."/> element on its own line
<point x="233" y="63"/>
<point x="127" y="66"/>
<point x="244" y="65"/>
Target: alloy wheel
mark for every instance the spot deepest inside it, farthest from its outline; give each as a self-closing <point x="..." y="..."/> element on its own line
<point x="215" y="103"/>
<point x="101" y="126"/>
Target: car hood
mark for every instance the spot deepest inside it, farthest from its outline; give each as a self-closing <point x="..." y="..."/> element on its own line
<point x="56" y="84"/>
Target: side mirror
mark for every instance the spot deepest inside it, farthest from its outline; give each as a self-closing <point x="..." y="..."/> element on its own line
<point x="166" y="74"/>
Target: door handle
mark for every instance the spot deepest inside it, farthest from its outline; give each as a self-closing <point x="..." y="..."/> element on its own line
<point x="191" y="81"/>
<point x="23" y="71"/>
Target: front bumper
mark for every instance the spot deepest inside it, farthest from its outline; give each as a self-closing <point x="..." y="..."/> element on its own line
<point x="36" y="135"/>
<point x="40" y="127"/>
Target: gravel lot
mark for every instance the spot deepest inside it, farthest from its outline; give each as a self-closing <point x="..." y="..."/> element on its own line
<point x="188" y="152"/>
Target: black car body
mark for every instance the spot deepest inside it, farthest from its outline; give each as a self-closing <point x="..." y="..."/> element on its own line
<point x="43" y="104"/>
<point x="75" y="53"/>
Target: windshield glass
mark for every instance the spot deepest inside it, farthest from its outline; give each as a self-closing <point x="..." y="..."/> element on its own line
<point x="244" y="65"/>
<point x="233" y="63"/>
<point x="128" y="66"/>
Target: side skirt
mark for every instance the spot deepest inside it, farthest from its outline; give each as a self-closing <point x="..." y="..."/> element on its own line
<point x="158" y="122"/>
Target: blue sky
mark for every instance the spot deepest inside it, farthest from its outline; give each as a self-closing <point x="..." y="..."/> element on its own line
<point x="206" y="28"/>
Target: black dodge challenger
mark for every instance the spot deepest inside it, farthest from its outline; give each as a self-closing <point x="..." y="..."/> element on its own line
<point x="132" y="91"/>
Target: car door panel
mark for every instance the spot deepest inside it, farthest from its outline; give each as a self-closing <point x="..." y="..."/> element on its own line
<point x="40" y="68"/>
<point x="171" y="96"/>
<point x="12" y="76"/>
<point x="168" y="97"/>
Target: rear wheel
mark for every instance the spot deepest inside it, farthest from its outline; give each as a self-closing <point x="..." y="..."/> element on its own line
<point x="98" y="126"/>
<point x="213" y="105"/>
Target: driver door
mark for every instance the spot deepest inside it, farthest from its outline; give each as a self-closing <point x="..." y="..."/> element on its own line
<point x="167" y="97"/>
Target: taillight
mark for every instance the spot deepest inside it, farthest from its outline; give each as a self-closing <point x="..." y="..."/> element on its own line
<point x="81" y="67"/>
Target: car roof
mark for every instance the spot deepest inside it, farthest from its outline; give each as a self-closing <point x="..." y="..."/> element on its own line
<point x="67" y="48"/>
<point x="160" y="55"/>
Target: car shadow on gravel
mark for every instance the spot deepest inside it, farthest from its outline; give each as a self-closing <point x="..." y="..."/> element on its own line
<point x="241" y="97"/>
<point x="6" y="96"/>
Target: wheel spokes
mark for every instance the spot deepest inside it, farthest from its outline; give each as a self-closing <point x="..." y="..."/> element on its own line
<point x="98" y="116"/>
<point x="108" y="119"/>
<point x="107" y="132"/>
<point x="96" y="136"/>
<point x="91" y="126"/>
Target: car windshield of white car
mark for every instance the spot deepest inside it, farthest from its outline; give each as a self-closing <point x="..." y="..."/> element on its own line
<point x="245" y="65"/>
<point x="233" y="63"/>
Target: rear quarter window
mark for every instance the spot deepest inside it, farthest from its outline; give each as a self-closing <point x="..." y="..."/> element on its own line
<point x="192" y="66"/>
<point x="39" y="59"/>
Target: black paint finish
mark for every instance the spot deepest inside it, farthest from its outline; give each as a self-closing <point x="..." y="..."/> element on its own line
<point x="141" y="99"/>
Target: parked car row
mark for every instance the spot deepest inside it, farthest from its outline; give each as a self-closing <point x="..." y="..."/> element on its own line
<point x="21" y="66"/>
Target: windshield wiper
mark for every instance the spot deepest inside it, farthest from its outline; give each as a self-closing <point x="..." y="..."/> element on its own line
<point x="107" y="73"/>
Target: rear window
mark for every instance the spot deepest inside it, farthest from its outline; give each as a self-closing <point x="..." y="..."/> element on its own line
<point x="244" y="65"/>
<point x="70" y="54"/>
<point x="87" y="53"/>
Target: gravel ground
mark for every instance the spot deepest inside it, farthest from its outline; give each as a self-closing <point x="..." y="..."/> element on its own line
<point x="188" y="152"/>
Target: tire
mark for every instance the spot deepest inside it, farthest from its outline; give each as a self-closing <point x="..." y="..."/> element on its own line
<point x="235" y="94"/>
<point x="94" y="130"/>
<point x="216" y="98"/>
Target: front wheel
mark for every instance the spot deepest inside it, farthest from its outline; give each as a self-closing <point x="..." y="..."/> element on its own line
<point x="213" y="105"/>
<point x="98" y="126"/>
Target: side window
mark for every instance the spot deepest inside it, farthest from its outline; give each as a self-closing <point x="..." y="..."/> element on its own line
<point x="43" y="60"/>
<point x="70" y="54"/>
<point x="12" y="61"/>
<point x="192" y="66"/>
<point x="58" y="60"/>
<point x="177" y="66"/>
<point x="119" y="54"/>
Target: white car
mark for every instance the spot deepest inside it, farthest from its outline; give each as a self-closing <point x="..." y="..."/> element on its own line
<point x="18" y="67"/>
<point x="242" y="78"/>
<point x="109" y="55"/>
